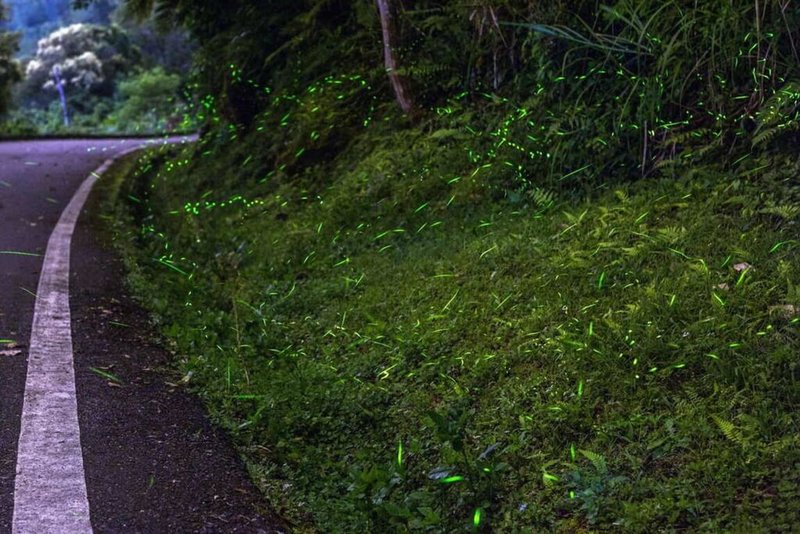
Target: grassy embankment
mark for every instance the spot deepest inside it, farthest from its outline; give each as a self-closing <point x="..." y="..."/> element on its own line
<point x="395" y="340"/>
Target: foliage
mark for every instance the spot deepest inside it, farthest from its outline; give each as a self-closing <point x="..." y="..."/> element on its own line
<point x="398" y="340"/>
<point x="110" y="84"/>
<point x="564" y="300"/>
<point x="171" y="50"/>
<point x="696" y="61"/>
<point x="10" y="72"/>
<point x="90" y="59"/>
<point x="151" y="101"/>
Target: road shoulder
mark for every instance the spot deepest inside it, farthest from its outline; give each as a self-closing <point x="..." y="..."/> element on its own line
<point x="153" y="461"/>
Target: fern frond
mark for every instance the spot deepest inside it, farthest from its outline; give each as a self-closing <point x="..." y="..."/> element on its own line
<point x="785" y="211"/>
<point x="542" y="198"/>
<point x="598" y="461"/>
<point x="670" y="234"/>
<point x="729" y="430"/>
<point x="779" y="115"/>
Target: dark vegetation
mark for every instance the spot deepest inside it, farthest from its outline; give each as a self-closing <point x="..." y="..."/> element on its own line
<point x="554" y="289"/>
<point x="10" y="71"/>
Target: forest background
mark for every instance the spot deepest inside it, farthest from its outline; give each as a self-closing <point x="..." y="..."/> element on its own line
<point x="118" y="76"/>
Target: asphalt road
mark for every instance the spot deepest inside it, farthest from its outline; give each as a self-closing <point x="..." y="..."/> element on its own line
<point x="153" y="463"/>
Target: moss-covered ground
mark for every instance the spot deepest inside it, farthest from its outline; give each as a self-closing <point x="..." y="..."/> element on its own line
<point x="396" y="344"/>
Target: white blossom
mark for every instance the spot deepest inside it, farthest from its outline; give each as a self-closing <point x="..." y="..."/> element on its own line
<point x="83" y="53"/>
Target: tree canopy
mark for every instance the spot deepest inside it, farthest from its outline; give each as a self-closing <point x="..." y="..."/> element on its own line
<point x="10" y="71"/>
<point x="678" y="51"/>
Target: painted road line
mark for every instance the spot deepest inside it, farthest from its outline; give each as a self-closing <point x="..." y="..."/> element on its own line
<point x="50" y="488"/>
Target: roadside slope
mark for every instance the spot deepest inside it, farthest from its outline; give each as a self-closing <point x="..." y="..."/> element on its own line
<point x="396" y="341"/>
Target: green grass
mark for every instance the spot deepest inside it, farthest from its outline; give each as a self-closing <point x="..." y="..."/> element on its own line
<point x="396" y="344"/>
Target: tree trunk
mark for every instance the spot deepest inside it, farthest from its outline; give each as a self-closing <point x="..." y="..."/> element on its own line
<point x="388" y="14"/>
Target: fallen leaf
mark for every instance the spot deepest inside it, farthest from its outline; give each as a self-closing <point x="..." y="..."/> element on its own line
<point x="786" y="310"/>
<point x="105" y="374"/>
<point x="10" y="352"/>
<point x="743" y="266"/>
<point x="723" y="286"/>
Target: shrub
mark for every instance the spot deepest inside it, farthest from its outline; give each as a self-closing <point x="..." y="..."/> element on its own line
<point x="150" y="101"/>
<point x="10" y="72"/>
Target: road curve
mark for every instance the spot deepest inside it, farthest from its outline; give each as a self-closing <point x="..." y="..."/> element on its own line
<point x="152" y="461"/>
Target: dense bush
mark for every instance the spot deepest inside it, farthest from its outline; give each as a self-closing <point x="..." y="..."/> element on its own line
<point x="640" y="82"/>
<point x="396" y="347"/>
<point x="150" y="101"/>
<point x="10" y="72"/>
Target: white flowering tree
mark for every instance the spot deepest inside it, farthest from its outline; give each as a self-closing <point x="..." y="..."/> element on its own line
<point x="89" y="57"/>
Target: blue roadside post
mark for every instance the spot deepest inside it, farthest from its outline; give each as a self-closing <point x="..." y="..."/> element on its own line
<point x="60" y="87"/>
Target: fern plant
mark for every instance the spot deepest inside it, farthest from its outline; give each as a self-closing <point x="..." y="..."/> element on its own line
<point x="542" y="199"/>
<point x="779" y="115"/>
<point x="589" y="488"/>
<point x="787" y="212"/>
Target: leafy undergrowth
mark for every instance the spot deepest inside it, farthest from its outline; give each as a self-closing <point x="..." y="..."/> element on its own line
<point x="396" y="346"/>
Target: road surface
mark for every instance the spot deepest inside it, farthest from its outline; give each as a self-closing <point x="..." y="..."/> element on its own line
<point x="150" y="459"/>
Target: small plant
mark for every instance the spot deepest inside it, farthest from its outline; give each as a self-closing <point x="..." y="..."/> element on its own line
<point x="590" y="488"/>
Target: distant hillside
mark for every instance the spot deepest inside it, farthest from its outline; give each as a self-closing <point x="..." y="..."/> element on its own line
<point x="37" y="18"/>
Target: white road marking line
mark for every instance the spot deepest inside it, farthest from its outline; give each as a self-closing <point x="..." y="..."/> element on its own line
<point x="50" y="488"/>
